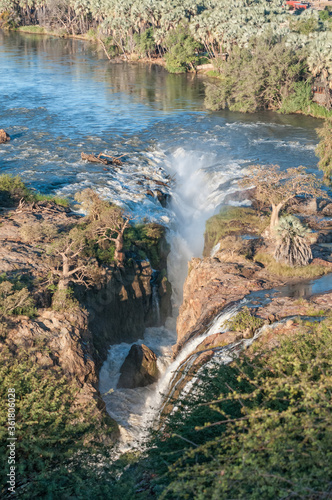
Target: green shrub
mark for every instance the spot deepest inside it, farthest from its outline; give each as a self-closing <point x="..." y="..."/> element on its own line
<point x="260" y="76"/>
<point x="38" y="231"/>
<point x="244" y="320"/>
<point x="145" y="42"/>
<point x="324" y="149"/>
<point x="267" y="432"/>
<point x="299" y="99"/>
<point x="305" y="26"/>
<point x="15" y="301"/>
<point x="64" y="300"/>
<point x="57" y="437"/>
<point x="13" y="189"/>
<point x="182" y="50"/>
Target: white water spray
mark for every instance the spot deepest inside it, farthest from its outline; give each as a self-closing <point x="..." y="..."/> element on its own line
<point x="199" y="190"/>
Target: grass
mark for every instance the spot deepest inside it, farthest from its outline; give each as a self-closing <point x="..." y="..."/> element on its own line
<point x="63" y="202"/>
<point x="231" y="221"/>
<point x="284" y="271"/>
<point x="13" y="189"/>
<point x="31" y="29"/>
<point x="318" y="111"/>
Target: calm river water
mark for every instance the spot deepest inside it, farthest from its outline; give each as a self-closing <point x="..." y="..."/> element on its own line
<point x="61" y="97"/>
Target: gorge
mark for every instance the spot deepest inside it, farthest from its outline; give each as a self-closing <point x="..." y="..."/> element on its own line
<point x="67" y="101"/>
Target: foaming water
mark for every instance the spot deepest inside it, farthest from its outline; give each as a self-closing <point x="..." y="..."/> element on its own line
<point x="69" y="100"/>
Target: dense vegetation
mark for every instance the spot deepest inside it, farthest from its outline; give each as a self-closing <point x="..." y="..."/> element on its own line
<point x="324" y="149"/>
<point x="264" y="55"/>
<point x="61" y="445"/>
<point x="152" y="27"/>
<point x="259" y="428"/>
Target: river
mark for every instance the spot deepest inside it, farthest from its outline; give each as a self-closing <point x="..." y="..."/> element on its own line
<point x="61" y="97"/>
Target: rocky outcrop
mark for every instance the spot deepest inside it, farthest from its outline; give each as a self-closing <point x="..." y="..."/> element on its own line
<point x="4" y="137"/>
<point x="210" y="286"/>
<point x="121" y="308"/>
<point x="61" y="341"/>
<point x="139" y="368"/>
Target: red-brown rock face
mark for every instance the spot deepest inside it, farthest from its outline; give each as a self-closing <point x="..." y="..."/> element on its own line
<point x="209" y="287"/>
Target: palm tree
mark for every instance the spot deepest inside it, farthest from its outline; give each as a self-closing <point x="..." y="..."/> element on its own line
<point x="292" y="248"/>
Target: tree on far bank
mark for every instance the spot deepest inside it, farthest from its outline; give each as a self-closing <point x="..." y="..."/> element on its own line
<point x="276" y="187"/>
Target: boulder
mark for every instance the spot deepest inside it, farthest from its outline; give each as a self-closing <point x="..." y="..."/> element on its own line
<point x="4" y="137"/>
<point x="139" y="368"/>
<point x="162" y="197"/>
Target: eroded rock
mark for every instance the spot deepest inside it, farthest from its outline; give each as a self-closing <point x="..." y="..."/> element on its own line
<point x="139" y="368"/>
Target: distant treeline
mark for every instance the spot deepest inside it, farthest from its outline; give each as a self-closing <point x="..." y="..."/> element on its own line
<point x="233" y="34"/>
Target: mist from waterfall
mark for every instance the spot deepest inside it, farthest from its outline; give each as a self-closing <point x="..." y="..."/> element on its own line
<point x="194" y="198"/>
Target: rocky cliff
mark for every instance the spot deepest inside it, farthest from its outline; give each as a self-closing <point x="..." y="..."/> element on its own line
<point x="118" y="308"/>
<point x="242" y="262"/>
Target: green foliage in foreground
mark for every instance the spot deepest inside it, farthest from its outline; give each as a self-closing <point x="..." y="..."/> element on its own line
<point x="57" y="439"/>
<point x="13" y="189"/>
<point x="267" y="432"/>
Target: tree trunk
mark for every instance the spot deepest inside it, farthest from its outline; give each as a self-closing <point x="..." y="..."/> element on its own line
<point x="64" y="280"/>
<point x="119" y="253"/>
<point x="63" y="284"/>
<point x="275" y="215"/>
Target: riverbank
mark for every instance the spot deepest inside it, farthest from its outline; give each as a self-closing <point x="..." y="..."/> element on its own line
<point x="297" y="104"/>
<point x="61" y="335"/>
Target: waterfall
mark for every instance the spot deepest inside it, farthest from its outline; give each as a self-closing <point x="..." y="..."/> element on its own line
<point x="195" y="197"/>
<point x="155" y="298"/>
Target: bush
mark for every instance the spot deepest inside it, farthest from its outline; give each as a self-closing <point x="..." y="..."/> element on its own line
<point x="145" y="42"/>
<point x="267" y="432"/>
<point x="12" y="190"/>
<point x="324" y="149"/>
<point x="57" y="437"/>
<point x="15" y="300"/>
<point x="182" y="50"/>
<point x="64" y="300"/>
<point x="299" y="99"/>
<point x="38" y="231"/>
<point x="261" y="76"/>
<point x="244" y="320"/>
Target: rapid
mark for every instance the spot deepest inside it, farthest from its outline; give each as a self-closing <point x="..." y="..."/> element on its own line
<point x="61" y="97"/>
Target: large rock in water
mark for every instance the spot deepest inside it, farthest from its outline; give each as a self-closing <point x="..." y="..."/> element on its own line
<point x="4" y="137"/>
<point x="139" y="368"/>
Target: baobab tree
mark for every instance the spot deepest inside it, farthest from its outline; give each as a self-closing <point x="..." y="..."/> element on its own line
<point x="277" y="187"/>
